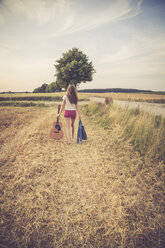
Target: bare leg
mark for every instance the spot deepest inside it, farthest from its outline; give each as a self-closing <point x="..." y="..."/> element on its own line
<point x="72" y="125"/>
<point x="68" y="129"/>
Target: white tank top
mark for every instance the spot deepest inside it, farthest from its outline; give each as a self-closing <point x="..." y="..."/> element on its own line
<point x="68" y="105"/>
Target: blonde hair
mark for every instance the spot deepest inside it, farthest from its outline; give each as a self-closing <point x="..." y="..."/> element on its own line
<point x="72" y="94"/>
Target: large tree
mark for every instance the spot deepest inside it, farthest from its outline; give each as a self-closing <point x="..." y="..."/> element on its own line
<point x="73" y="68"/>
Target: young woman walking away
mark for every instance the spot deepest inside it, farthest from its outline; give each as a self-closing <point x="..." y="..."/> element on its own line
<point x="70" y="103"/>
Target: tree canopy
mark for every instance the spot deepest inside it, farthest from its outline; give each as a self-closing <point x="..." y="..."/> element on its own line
<point x="41" y="89"/>
<point x="53" y="87"/>
<point x="73" y="68"/>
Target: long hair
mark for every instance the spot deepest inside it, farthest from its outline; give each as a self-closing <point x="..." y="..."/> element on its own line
<point x="72" y="94"/>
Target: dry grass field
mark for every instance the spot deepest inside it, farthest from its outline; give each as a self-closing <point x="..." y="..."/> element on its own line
<point x="33" y="99"/>
<point x="152" y="98"/>
<point x="97" y="194"/>
<point x="12" y="95"/>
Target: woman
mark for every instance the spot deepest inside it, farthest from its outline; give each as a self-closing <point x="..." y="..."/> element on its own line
<point x="70" y="103"/>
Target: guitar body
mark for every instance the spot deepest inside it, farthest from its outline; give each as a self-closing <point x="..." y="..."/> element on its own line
<point x="56" y="131"/>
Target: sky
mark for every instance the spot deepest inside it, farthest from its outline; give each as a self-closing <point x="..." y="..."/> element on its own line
<point x="124" y="39"/>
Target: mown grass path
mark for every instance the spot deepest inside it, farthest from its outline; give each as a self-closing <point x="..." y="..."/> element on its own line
<point x="95" y="194"/>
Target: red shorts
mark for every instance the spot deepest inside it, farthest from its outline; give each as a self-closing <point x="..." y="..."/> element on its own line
<point x="70" y="113"/>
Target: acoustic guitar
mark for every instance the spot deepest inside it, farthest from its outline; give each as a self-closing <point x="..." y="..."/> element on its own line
<point x="56" y="132"/>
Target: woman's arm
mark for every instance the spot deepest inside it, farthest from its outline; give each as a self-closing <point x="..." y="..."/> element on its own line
<point x="78" y="110"/>
<point x="62" y="107"/>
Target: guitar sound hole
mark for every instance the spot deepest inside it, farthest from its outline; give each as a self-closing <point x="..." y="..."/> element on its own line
<point x="58" y="127"/>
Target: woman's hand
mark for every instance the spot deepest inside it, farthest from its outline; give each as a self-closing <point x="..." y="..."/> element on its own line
<point x="58" y="115"/>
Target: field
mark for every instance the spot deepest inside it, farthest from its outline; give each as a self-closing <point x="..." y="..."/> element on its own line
<point x="102" y="193"/>
<point x="33" y="99"/>
<point x="43" y="97"/>
<point x="141" y="97"/>
<point x="145" y="131"/>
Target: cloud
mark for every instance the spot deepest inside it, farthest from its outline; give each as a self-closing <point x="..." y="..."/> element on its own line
<point x="41" y="11"/>
<point x="84" y="19"/>
<point x="137" y="46"/>
<point x="124" y="53"/>
<point x="71" y="16"/>
<point x="135" y="8"/>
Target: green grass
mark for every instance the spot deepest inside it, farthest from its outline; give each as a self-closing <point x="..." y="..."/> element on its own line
<point x="31" y="98"/>
<point x="22" y="104"/>
<point x="35" y="97"/>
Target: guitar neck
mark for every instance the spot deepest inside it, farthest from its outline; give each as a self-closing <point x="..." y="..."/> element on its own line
<point x="59" y="106"/>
